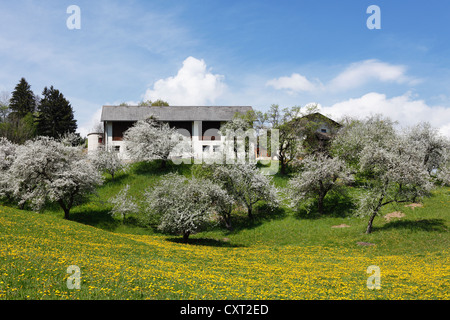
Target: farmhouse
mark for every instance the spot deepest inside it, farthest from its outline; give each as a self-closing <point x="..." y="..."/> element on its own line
<point x="201" y="123"/>
<point x="318" y="130"/>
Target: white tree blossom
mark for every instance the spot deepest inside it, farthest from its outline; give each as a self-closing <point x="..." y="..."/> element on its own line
<point x="398" y="175"/>
<point x="319" y="174"/>
<point x="443" y="175"/>
<point x="224" y="203"/>
<point x="433" y="146"/>
<point x="108" y="161"/>
<point x="247" y="185"/>
<point x="391" y="163"/>
<point x="47" y="170"/>
<point x="7" y="156"/>
<point x="234" y="125"/>
<point x="123" y="204"/>
<point x="71" y="139"/>
<point x="357" y="134"/>
<point x="185" y="206"/>
<point x="149" y="140"/>
<point x="7" y="153"/>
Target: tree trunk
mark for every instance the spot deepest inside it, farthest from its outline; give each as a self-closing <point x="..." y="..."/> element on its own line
<point x="320" y="207"/>
<point x="228" y="225"/>
<point x="65" y="209"/>
<point x="375" y="211"/>
<point x="369" y="226"/>
<point x="322" y="193"/>
<point x="283" y="168"/>
<point x="282" y="162"/>
<point x="227" y="219"/>
<point x="250" y="213"/>
<point x="374" y="214"/>
<point x="186" y="236"/>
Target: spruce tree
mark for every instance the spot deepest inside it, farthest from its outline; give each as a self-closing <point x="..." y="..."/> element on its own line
<point x="55" y="115"/>
<point x="22" y="100"/>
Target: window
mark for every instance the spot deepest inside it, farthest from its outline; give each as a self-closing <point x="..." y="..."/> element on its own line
<point x="119" y="128"/>
<point x="185" y="126"/>
<point x="323" y="130"/>
<point x="117" y="149"/>
<point x="216" y="148"/>
<point x="210" y="130"/>
<point x="205" y="148"/>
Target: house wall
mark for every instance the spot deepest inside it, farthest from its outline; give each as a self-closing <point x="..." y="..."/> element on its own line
<point x="205" y="139"/>
<point x="330" y="129"/>
<point x="111" y="143"/>
<point x="324" y="126"/>
<point x="95" y="141"/>
<point x="200" y="148"/>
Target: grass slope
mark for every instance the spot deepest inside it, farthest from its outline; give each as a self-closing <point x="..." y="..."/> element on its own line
<point x="285" y="255"/>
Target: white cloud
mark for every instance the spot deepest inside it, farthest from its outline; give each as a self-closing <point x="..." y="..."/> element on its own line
<point x="295" y="83"/>
<point x="89" y="125"/>
<point x="360" y="73"/>
<point x="404" y="109"/>
<point x="445" y="130"/>
<point x="193" y="85"/>
<point x="354" y="76"/>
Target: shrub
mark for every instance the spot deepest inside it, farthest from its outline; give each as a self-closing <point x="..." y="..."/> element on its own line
<point x="123" y="204"/>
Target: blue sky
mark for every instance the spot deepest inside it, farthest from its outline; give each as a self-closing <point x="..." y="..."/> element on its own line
<point x="248" y="52"/>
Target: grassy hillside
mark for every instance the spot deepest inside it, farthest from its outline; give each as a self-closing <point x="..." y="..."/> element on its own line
<point x="286" y="255"/>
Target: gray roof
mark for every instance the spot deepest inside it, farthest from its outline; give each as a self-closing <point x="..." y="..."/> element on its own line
<point x="172" y="113"/>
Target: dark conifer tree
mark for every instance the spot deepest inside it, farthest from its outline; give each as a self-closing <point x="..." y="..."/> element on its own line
<point x="55" y="115"/>
<point x="22" y="100"/>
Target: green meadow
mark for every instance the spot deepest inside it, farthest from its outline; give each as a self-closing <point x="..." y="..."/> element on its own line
<point x="281" y="254"/>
